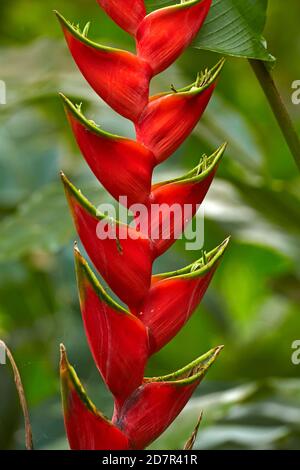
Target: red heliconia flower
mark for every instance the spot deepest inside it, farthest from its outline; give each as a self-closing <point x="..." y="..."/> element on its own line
<point x="165" y="33"/>
<point x="145" y="414"/>
<point x="169" y="118"/>
<point x="126" y="13"/>
<point x="174" y="296"/>
<point x="122" y="255"/>
<point x="86" y="427"/>
<point x="119" y="77"/>
<point x="174" y="203"/>
<point x="123" y="166"/>
<point x="155" y="404"/>
<point x="122" y="340"/>
<point x="118" y="340"/>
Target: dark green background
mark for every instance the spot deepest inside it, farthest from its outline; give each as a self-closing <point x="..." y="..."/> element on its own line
<point x="251" y="397"/>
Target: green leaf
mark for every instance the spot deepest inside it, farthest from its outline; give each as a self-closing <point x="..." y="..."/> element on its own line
<point x="42" y="222"/>
<point x="233" y="27"/>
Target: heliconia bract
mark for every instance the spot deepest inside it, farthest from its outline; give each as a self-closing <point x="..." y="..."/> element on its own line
<point x="128" y="14"/>
<point x="144" y="415"/>
<point x="123" y="338"/>
<point x="158" y="41"/>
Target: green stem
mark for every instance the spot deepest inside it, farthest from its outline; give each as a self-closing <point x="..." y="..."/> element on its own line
<point x="278" y="107"/>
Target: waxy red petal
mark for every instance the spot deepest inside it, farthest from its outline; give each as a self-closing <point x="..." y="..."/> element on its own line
<point x="117" y="339"/>
<point x="128" y="14"/>
<point x="175" y="202"/>
<point x="153" y="406"/>
<point x="173" y="297"/>
<point x="124" y="258"/>
<point x="123" y="166"/>
<point x="119" y="77"/>
<point x="170" y="117"/>
<point x="86" y="427"/>
<point x="165" y="33"/>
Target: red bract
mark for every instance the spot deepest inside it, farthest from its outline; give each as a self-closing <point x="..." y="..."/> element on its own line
<point x="119" y="77"/>
<point x="126" y="13"/>
<point x="169" y="118"/>
<point x="174" y="296"/>
<point x="164" y="34"/>
<point x="123" y="256"/>
<point x="122" y="339"/>
<point x="175" y="202"/>
<point x="130" y="163"/>
<point x="118" y="340"/>
<point x="156" y="403"/>
<point x="86" y="427"/>
<point x="145" y="414"/>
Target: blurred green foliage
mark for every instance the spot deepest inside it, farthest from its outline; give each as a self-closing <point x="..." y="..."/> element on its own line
<point x="251" y="398"/>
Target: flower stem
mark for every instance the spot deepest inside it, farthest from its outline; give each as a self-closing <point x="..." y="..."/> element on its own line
<point x="278" y="107"/>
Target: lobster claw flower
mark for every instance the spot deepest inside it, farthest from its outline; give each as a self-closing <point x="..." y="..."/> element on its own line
<point x="157" y="402"/>
<point x="123" y="166"/>
<point x="128" y="14"/>
<point x="174" y="296"/>
<point x="170" y="117"/>
<point x="175" y="202"/>
<point x="122" y="339"/>
<point x="119" y="77"/>
<point x="117" y="339"/>
<point x="165" y="33"/>
<point x="122" y="255"/>
<point x="86" y="427"/>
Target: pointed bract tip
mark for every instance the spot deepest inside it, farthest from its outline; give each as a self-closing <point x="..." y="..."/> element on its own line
<point x="218" y="349"/>
<point x="218" y="154"/>
<point x="217" y="69"/>
<point x="199" y="368"/>
<point x="67" y="102"/>
<point x="73" y="192"/>
<point x="64" y="363"/>
<point x="221" y="62"/>
<point x="202" y="365"/>
<point x="63" y="97"/>
<point x="220" y="250"/>
<point x="77" y="254"/>
<point x="80" y="261"/>
<point x="66" y="182"/>
<point x="60" y="17"/>
<point x="70" y="107"/>
<point x="76" y="111"/>
<point x="225" y="242"/>
<point x="192" y="372"/>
